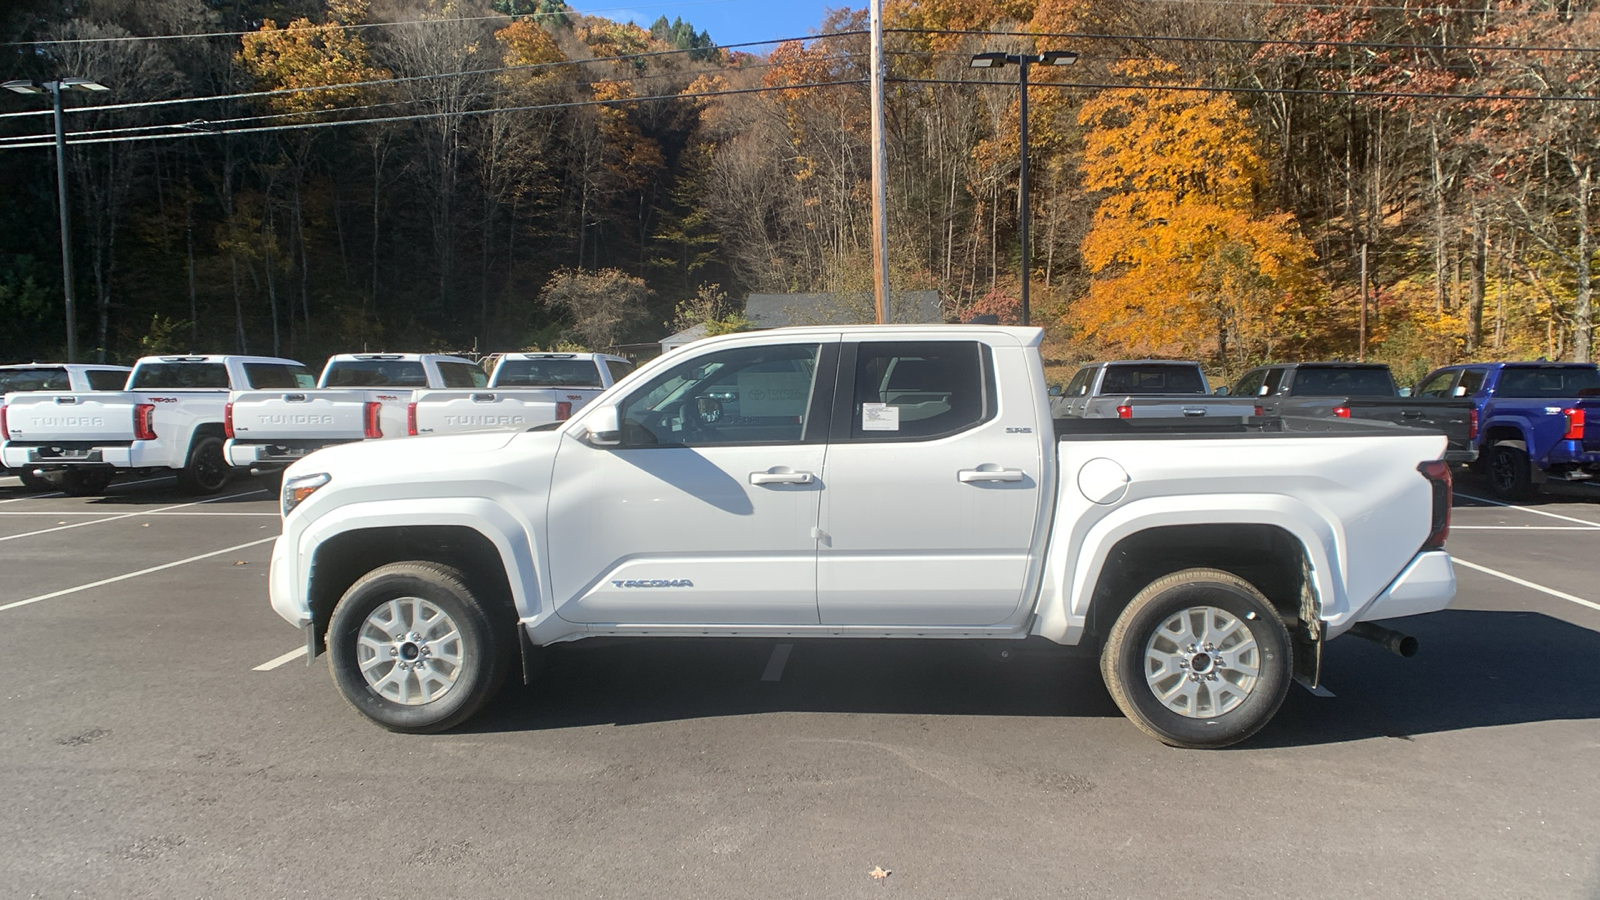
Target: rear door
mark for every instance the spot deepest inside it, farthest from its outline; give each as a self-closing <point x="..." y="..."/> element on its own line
<point x="931" y="490"/>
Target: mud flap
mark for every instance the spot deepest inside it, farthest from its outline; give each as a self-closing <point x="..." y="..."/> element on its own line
<point x="532" y="659"/>
<point x="1310" y="635"/>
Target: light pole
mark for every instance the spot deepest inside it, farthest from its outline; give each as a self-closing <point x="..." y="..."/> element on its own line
<point x="1022" y="61"/>
<point x="54" y="89"/>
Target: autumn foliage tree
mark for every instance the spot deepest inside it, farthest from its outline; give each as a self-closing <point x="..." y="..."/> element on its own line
<point x="1185" y="261"/>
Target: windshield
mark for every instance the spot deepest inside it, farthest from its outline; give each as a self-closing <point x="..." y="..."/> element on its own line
<point x="1153" y="378"/>
<point x="168" y="376"/>
<point x="45" y="378"/>
<point x="375" y="373"/>
<point x="1343" y="381"/>
<point x="547" y="373"/>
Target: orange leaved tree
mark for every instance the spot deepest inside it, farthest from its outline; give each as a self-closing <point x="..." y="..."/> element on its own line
<point x="1184" y="260"/>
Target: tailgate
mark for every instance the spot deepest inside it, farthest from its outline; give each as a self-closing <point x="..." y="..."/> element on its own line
<point x="299" y="415"/>
<point x="1197" y="407"/>
<point x="1450" y="417"/>
<point x="453" y="412"/>
<point x="89" y="416"/>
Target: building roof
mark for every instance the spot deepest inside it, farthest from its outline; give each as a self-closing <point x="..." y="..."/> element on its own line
<point x="840" y="308"/>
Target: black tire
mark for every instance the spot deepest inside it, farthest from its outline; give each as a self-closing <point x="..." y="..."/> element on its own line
<point x="1510" y="474"/>
<point x="1123" y="659"/>
<point x="485" y="644"/>
<point x="33" y="482"/>
<point x="207" y="470"/>
<point x="85" y="482"/>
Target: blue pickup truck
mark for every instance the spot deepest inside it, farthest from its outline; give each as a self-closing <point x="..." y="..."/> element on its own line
<point x="1528" y="420"/>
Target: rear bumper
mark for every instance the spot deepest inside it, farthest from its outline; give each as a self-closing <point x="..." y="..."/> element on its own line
<point x="269" y="455"/>
<point x="1427" y="585"/>
<point x="116" y="454"/>
<point x="1571" y="453"/>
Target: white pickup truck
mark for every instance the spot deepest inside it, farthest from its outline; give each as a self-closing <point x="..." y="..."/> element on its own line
<point x="360" y="396"/>
<point x="1205" y="562"/>
<point x="525" y="390"/>
<point x="169" y="417"/>
<point x="79" y="377"/>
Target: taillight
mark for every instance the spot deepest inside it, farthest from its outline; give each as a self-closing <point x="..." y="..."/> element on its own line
<point x="1260" y="410"/>
<point x="374" y="429"/>
<point x="143" y="422"/>
<point x="1124" y="412"/>
<point x="5" y="429"/>
<point x="1437" y="472"/>
<point x="1472" y="426"/>
<point x="563" y="410"/>
<point x="1342" y="412"/>
<point x="1574" y="424"/>
<point x="227" y="420"/>
<point x="411" y="419"/>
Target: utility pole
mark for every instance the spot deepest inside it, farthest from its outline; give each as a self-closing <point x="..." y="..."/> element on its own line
<point x="880" y="173"/>
<point x="1361" y="353"/>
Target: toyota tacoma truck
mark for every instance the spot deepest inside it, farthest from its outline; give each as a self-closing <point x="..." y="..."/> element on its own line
<point x="1360" y="391"/>
<point x="169" y="417"/>
<point x="524" y="390"/>
<point x="785" y="484"/>
<point x="1145" y="388"/>
<point x="1528" y="420"/>
<point x="360" y="396"/>
<point x="53" y="377"/>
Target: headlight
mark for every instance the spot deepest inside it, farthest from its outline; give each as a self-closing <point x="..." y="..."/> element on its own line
<point x="298" y="488"/>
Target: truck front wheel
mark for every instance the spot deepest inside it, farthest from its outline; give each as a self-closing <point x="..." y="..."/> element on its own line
<point x="1198" y="659"/>
<point x="414" y="649"/>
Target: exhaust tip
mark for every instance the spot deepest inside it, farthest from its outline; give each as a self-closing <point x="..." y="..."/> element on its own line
<point x="1398" y="643"/>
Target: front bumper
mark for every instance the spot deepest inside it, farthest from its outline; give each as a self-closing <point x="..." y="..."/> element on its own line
<point x="1427" y="585"/>
<point x="281" y="583"/>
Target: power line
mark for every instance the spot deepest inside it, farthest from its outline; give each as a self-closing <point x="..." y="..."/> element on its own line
<point x="1288" y="42"/>
<point x="1212" y="89"/>
<point x="223" y="34"/>
<point x="249" y="95"/>
<point x="462" y="114"/>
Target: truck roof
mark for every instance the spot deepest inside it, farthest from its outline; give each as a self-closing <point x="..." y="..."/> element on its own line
<point x="401" y="357"/>
<point x="1027" y="336"/>
<point x="217" y="358"/>
<point x="554" y="355"/>
<point x="70" y="367"/>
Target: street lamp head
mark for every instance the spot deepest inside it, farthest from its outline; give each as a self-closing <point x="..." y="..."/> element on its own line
<point x="86" y="84"/>
<point x="24" y="87"/>
<point x="988" y="60"/>
<point x="1060" y="57"/>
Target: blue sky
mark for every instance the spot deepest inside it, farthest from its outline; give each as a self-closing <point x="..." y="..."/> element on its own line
<point x="728" y="21"/>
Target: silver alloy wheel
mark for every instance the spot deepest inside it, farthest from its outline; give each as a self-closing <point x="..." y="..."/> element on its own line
<point x="1202" y="662"/>
<point x="410" y="651"/>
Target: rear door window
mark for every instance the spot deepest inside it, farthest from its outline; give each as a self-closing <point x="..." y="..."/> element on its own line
<point x="178" y="375"/>
<point x="462" y="375"/>
<point x="278" y="376"/>
<point x="916" y="390"/>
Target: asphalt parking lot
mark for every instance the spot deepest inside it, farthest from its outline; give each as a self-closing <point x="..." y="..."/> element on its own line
<point x="163" y="737"/>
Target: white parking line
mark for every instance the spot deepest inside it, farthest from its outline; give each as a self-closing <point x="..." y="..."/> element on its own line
<point x="1455" y="527"/>
<point x="277" y="661"/>
<point x="34" y="497"/>
<point x="780" y="658"/>
<point x="1525" y="583"/>
<point x="105" y="581"/>
<point x="64" y="515"/>
<point x="1537" y="512"/>
<point x="131" y="515"/>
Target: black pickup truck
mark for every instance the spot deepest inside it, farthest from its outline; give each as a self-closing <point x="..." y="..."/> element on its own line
<point x="1358" y="391"/>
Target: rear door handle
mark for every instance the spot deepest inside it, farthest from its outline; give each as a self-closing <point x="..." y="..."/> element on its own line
<point x="781" y="475"/>
<point x="982" y="473"/>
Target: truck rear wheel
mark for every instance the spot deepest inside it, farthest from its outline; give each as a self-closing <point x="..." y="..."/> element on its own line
<point x="1198" y="659"/>
<point x="414" y="649"/>
<point x="207" y="470"/>
<point x="1510" y="473"/>
<point x="34" y="483"/>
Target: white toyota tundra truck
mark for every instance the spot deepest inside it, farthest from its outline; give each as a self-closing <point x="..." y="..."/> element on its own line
<point x="360" y="396"/>
<point x="875" y="482"/>
<point x="524" y="390"/>
<point x="53" y="377"/>
<point x="169" y="417"/>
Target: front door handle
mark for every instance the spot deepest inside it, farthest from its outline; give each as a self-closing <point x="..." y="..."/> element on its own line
<point x="988" y="473"/>
<point x="781" y="475"/>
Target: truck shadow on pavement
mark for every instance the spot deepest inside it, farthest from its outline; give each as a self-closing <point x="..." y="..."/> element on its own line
<point x="1475" y="669"/>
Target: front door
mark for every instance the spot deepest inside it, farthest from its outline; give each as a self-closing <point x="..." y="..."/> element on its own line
<point x="706" y="513"/>
<point x="932" y="487"/>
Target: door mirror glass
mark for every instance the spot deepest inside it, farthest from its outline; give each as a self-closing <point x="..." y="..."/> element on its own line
<point x="1221" y="391"/>
<point x="604" y="429"/>
<point x="1055" y="390"/>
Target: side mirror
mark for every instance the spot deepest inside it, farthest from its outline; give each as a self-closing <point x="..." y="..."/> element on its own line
<point x="1055" y="390"/>
<point x="1404" y="392"/>
<point x="605" y="430"/>
<point x="1222" y="391"/>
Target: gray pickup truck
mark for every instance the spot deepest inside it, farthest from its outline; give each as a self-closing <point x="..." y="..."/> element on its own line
<point x="1357" y="391"/>
<point x="1144" y="389"/>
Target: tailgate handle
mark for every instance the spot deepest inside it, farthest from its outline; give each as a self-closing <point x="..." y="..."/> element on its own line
<point x="66" y="401"/>
<point x="482" y="398"/>
<point x="294" y="398"/>
<point x="1410" y="414"/>
<point x="1194" y="411"/>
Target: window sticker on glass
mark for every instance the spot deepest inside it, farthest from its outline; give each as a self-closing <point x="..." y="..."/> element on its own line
<point x="773" y="393"/>
<point x="880" y="417"/>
